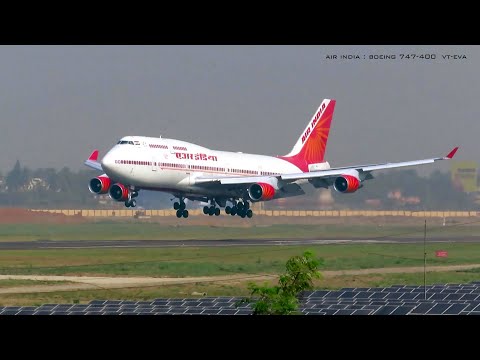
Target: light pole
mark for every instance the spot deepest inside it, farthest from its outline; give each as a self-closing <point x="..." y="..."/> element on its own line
<point x="425" y="261"/>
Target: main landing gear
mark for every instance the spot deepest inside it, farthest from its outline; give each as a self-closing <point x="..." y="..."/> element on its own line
<point x="131" y="202"/>
<point x="211" y="210"/>
<point x="180" y="207"/>
<point x="241" y="208"/>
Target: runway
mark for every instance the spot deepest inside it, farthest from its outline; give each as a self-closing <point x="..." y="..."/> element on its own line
<point x="92" y="244"/>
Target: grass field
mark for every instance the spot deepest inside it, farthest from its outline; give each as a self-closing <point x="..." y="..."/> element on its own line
<point x="189" y="261"/>
<point x="202" y="261"/>
<point x="129" y="230"/>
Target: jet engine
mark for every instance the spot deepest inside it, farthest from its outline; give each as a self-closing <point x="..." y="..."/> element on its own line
<point x="119" y="192"/>
<point x="100" y="184"/>
<point x="346" y="184"/>
<point x="261" y="192"/>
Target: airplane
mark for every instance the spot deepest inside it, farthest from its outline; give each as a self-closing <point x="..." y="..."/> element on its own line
<point x="229" y="180"/>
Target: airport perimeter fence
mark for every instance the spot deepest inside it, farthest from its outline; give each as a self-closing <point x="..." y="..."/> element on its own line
<point x="275" y="213"/>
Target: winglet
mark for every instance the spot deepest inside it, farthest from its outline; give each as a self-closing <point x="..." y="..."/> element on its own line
<point x="94" y="155"/>
<point x="451" y="153"/>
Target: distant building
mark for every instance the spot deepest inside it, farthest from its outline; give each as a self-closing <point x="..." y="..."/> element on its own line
<point x="464" y="175"/>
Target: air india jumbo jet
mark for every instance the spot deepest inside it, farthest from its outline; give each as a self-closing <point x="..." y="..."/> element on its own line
<point x="228" y="179"/>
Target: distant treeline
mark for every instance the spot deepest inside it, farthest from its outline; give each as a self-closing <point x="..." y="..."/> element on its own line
<point x="392" y="190"/>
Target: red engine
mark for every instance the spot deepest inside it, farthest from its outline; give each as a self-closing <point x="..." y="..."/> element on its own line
<point x="346" y="184"/>
<point x="119" y="192"/>
<point x="261" y="192"/>
<point x="100" y="184"/>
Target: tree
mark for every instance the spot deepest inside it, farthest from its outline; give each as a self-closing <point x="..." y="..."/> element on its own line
<point x="283" y="298"/>
<point x="14" y="178"/>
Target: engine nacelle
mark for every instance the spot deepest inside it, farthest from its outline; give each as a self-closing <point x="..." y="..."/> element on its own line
<point x="346" y="184"/>
<point x="100" y="184"/>
<point x="261" y="192"/>
<point x="119" y="192"/>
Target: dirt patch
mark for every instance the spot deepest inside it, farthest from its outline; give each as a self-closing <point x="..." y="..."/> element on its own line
<point x="25" y="216"/>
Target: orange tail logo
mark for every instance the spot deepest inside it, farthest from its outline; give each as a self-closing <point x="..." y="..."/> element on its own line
<point x="310" y="147"/>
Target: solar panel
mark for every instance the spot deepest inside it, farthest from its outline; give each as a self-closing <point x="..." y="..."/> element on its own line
<point x="345" y="312"/>
<point x="378" y="295"/>
<point x="42" y="312"/>
<point x="455" y="309"/>
<point x="177" y="310"/>
<point x="385" y="310"/>
<point x="410" y="296"/>
<point x="227" y="312"/>
<point x="244" y="312"/>
<point x="422" y="309"/>
<point x="128" y="313"/>
<point x="112" y="302"/>
<point x="437" y="296"/>
<point x="347" y="294"/>
<point x="362" y="312"/>
<point x="97" y="302"/>
<point x="403" y="310"/>
<point x="453" y="296"/>
<point x="363" y="295"/>
<point x="80" y="312"/>
<point x="438" y="309"/>
<point x="194" y="311"/>
<point x="25" y="312"/>
<point x="393" y="295"/>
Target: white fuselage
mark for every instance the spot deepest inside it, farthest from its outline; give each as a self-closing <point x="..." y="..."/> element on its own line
<point x="172" y="165"/>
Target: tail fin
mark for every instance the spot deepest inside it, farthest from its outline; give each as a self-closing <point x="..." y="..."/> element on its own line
<point x="312" y="143"/>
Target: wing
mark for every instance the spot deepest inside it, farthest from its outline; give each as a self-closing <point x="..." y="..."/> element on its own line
<point x="363" y="172"/>
<point x="92" y="161"/>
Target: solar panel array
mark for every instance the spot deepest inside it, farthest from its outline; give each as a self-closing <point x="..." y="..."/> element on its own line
<point x="449" y="299"/>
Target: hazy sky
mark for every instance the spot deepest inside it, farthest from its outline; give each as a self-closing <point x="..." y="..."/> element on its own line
<point x="58" y="103"/>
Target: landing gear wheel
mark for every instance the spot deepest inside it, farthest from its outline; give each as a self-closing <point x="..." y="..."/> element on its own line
<point x="233" y="212"/>
<point x="133" y="203"/>
<point x="246" y="205"/>
<point x="127" y="203"/>
<point x="179" y="213"/>
<point x="205" y="210"/>
<point x="228" y="209"/>
<point x="176" y="205"/>
<point x="217" y="211"/>
<point x="185" y="213"/>
<point x="182" y="206"/>
<point x="211" y="211"/>
<point x="249" y="213"/>
<point x="242" y="214"/>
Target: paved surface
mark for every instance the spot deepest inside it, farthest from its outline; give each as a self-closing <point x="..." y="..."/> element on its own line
<point x="84" y="244"/>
